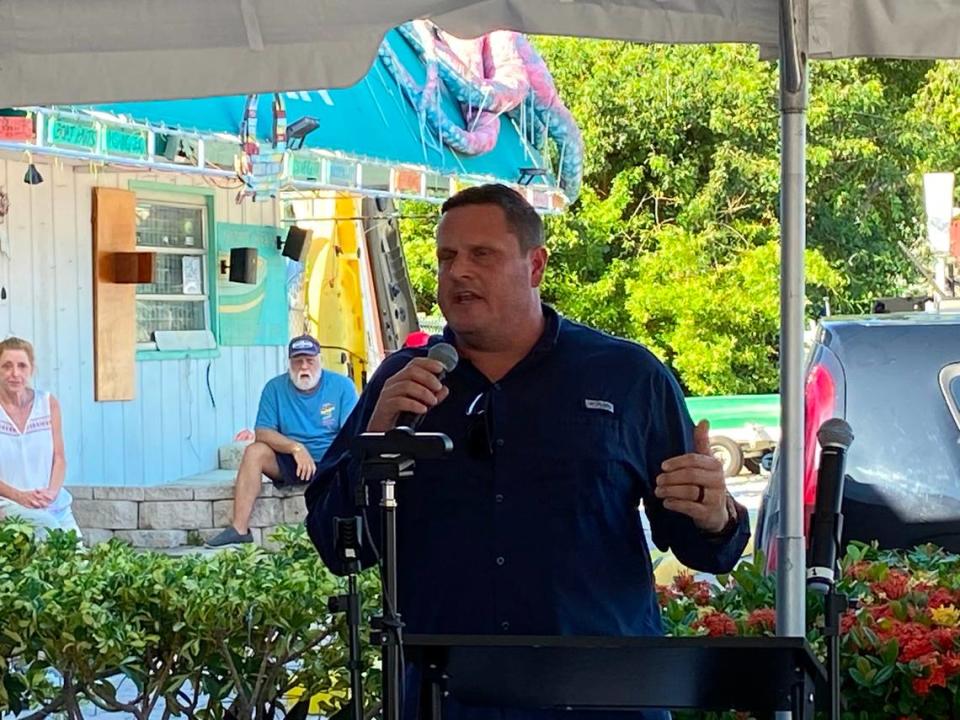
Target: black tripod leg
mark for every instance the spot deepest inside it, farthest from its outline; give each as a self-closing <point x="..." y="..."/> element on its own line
<point x="431" y="694"/>
<point x="802" y="699"/>
<point x="436" y="699"/>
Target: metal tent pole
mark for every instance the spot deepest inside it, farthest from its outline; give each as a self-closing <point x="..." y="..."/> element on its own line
<point x="791" y="560"/>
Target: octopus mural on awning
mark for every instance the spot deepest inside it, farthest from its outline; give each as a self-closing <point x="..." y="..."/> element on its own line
<point x="495" y="74"/>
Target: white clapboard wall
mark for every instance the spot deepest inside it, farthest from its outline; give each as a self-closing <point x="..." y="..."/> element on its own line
<point x="173" y="428"/>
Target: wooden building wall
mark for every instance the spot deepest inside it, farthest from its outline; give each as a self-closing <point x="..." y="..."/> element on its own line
<point x="184" y="409"/>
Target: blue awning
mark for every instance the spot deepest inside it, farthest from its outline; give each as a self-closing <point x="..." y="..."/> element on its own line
<point x="372" y="120"/>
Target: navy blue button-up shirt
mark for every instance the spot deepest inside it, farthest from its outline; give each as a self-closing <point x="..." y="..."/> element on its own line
<point x="532" y="525"/>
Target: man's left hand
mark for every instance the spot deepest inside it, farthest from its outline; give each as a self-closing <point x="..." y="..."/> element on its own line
<point x="694" y="485"/>
<point x="306" y="466"/>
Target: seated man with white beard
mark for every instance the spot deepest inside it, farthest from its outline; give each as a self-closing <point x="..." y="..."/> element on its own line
<point x="300" y="414"/>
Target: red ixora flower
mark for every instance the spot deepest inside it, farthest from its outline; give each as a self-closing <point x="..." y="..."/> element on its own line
<point x="944" y="638"/>
<point x="939" y="597"/>
<point x="951" y="663"/>
<point x="857" y="570"/>
<point x="894" y="586"/>
<point x="717" y="624"/>
<point x="665" y="594"/>
<point x="915" y="640"/>
<point x="701" y="593"/>
<point x="916" y="649"/>
<point x="936" y="678"/>
<point x="847" y="621"/>
<point x="764" y="619"/>
<point x="697" y="590"/>
<point x="683" y="582"/>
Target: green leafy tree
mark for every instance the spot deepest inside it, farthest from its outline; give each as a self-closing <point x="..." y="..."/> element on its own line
<point x="417" y="227"/>
<point x="674" y="241"/>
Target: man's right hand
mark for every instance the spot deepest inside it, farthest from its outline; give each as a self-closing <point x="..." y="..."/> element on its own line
<point x="414" y="389"/>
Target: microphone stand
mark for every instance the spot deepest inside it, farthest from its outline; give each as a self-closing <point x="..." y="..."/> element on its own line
<point x="348" y="533"/>
<point x="834" y="605"/>
<point x="826" y="530"/>
<point x="386" y="457"/>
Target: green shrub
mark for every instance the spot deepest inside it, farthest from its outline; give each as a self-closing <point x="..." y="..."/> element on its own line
<point x="233" y="632"/>
<point x="203" y="633"/>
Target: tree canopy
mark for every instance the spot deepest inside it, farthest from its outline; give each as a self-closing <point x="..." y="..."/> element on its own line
<point x="674" y="241"/>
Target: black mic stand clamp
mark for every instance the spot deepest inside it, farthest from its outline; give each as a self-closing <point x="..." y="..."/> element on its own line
<point x="386" y="457"/>
<point x="348" y="541"/>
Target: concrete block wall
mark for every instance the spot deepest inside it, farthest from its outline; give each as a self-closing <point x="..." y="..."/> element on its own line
<point x="163" y="517"/>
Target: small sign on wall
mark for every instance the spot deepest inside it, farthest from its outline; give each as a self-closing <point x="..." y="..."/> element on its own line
<point x="192" y="275"/>
<point x="16" y="128"/>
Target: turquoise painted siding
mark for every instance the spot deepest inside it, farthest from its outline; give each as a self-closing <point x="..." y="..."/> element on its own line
<point x="254" y="314"/>
<point x="173" y="428"/>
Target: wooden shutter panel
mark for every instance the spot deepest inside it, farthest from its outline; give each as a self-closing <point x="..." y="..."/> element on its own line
<point x="114" y="304"/>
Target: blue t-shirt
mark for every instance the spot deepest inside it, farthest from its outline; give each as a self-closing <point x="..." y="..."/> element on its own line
<point x="312" y="418"/>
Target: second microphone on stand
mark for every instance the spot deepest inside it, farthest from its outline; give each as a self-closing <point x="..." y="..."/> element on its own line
<point x="826" y="526"/>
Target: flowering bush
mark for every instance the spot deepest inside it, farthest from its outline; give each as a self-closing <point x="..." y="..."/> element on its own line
<point x="900" y="645"/>
<point x="231" y="634"/>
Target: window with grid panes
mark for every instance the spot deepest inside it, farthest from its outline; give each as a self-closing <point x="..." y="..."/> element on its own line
<point x="175" y="229"/>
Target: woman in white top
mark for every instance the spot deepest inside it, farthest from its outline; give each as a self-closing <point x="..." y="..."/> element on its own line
<point x="32" y="462"/>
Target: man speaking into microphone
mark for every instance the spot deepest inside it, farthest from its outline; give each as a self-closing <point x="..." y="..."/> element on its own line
<point x="532" y="525"/>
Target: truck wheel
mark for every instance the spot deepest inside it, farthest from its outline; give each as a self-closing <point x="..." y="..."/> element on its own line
<point x="728" y="453"/>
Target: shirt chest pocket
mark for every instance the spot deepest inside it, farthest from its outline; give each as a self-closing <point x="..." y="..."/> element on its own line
<point x="579" y="461"/>
<point x="586" y="434"/>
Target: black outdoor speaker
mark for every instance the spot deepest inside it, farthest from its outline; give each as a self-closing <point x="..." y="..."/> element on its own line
<point x="243" y="265"/>
<point x="297" y="244"/>
<point x="900" y="304"/>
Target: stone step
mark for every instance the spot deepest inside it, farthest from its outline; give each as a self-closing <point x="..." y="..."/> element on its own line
<point x="230" y="455"/>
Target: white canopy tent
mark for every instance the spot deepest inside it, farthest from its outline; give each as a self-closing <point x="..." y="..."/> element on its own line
<point x="64" y="51"/>
<point x="69" y="52"/>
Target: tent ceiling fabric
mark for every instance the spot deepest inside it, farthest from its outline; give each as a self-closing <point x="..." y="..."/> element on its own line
<point x="64" y="51"/>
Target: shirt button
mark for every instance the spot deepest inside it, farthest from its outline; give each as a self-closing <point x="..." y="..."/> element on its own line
<point x="499" y="442"/>
<point x="500" y="560"/>
<point x="505" y="626"/>
<point x="496" y="386"/>
<point x="498" y="497"/>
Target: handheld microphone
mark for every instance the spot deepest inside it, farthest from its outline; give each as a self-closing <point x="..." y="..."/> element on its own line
<point x="446" y="355"/>
<point x="826" y="526"/>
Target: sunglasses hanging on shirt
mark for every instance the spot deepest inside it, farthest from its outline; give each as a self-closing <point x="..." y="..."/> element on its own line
<point x="479" y="435"/>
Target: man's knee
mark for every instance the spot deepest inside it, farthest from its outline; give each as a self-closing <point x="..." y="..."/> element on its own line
<point x="257" y="456"/>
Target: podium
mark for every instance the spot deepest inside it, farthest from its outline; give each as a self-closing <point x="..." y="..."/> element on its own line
<point x="761" y="675"/>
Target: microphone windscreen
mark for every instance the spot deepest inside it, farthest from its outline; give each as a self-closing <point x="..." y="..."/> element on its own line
<point x="445" y="354"/>
<point x="835" y="433"/>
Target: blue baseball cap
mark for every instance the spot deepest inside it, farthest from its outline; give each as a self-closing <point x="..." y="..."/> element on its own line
<point x="303" y="345"/>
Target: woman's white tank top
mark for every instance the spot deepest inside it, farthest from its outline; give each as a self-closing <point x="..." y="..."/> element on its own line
<point x="26" y="458"/>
